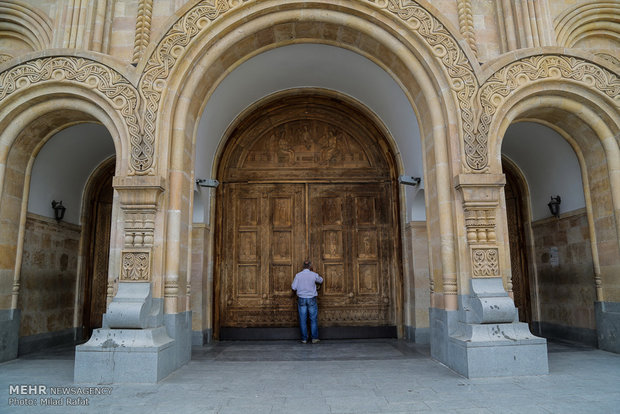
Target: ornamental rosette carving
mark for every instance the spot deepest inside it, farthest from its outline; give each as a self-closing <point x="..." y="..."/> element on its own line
<point x="485" y="262"/>
<point x="135" y="266"/>
<point x="515" y="75"/>
<point x="87" y="73"/>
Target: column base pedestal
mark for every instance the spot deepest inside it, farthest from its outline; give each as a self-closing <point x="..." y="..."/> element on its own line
<point x="497" y="350"/>
<point x="477" y="350"/>
<point x="125" y="356"/>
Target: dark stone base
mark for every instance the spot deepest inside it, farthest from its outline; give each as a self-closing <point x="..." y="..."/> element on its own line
<point x="292" y="333"/>
<point x="608" y="325"/>
<point x="553" y="331"/>
<point x="418" y="335"/>
<point x="9" y="334"/>
<point x="200" y="338"/>
<point x="36" y="343"/>
<point x="147" y="355"/>
<point x="179" y="328"/>
<point x="476" y="350"/>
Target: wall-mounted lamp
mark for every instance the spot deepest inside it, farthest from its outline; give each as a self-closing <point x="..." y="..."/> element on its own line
<point x="554" y="205"/>
<point x="409" y="180"/>
<point x="203" y="182"/>
<point x="59" y="210"/>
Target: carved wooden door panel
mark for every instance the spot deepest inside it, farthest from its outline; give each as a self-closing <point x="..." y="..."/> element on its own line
<point x="516" y="237"/>
<point x="98" y="232"/>
<point x="265" y="242"/>
<point x="350" y="243"/>
<point x="306" y="176"/>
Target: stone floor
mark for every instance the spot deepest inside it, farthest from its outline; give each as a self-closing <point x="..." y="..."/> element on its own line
<point x="370" y="376"/>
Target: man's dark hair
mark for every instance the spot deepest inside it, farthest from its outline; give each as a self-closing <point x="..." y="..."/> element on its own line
<point x="307" y="264"/>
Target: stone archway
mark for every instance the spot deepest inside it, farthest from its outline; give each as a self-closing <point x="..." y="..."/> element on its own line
<point x="307" y="175"/>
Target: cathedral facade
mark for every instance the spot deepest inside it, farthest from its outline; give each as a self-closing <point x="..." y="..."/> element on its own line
<point x="451" y="168"/>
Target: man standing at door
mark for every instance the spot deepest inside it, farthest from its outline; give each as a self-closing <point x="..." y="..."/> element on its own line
<point x="305" y="286"/>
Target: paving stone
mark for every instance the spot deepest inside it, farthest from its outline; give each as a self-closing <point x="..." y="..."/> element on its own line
<point x="375" y="376"/>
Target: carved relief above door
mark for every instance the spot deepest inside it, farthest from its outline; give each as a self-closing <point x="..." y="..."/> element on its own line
<point x="302" y="177"/>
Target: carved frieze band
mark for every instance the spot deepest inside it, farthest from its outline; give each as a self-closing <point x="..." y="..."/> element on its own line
<point x="119" y="91"/>
<point x="515" y="75"/>
<point x="139" y="228"/>
<point x="161" y="62"/>
<point x="135" y="266"/>
<point x="244" y="317"/>
<point x="485" y="262"/>
<point x="462" y="79"/>
<point x="480" y="224"/>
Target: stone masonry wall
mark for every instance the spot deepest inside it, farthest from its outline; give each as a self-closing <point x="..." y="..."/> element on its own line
<point x="48" y="276"/>
<point x="566" y="290"/>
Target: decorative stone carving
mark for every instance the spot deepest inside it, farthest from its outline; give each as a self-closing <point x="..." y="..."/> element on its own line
<point x="139" y="228"/>
<point x="515" y="75"/>
<point x="159" y="66"/>
<point x="138" y="202"/>
<point x="135" y="266"/>
<point x="86" y="73"/>
<point x="466" y="24"/>
<point x="480" y="225"/>
<point x="445" y="47"/>
<point x="480" y="201"/>
<point x="462" y="79"/>
<point x="143" y="29"/>
<point x="611" y="59"/>
<point x="5" y="58"/>
<point x="485" y="262"/>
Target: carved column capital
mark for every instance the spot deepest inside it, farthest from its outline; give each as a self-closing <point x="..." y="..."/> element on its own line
<point x="138" y="201"/>
<point x="480" y="190"/>
<point x="141" y="191"/>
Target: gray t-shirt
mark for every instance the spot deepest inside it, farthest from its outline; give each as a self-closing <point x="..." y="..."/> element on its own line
<point x="305" y="283"/>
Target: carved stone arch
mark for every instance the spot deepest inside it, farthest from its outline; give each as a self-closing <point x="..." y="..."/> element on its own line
<point x="589" y="83"/>
<point x="37" y="99"/>
<point x="23" y="22"/>
<point x="448" y="57"/>
<point x="588" y="19"/>
<point x="87" y="80"/>
<point x="588" y="123"/>
<point x="393" y="35"/>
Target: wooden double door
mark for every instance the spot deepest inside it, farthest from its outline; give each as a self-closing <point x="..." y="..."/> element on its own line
<point x="306" y="176"/>
<point x="346" y="230"/>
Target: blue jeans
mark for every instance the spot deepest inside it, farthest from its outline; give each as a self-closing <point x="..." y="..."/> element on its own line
<point x="308" y="306"/>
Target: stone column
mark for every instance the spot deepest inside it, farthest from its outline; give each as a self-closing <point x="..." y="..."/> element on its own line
<point x="485" y="337"/>
<point x="134" y="344"/>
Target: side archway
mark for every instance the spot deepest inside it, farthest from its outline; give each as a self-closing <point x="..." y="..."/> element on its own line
<point x="588" y="119"/>
<point x="33" y="109"/>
